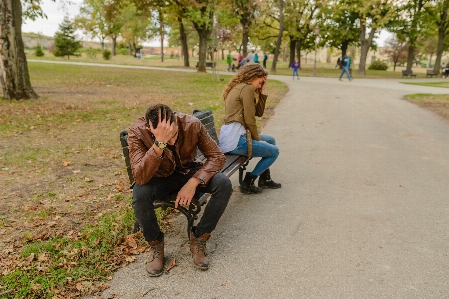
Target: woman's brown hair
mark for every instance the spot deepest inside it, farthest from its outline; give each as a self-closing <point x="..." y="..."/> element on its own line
<point x="246" y="74"/>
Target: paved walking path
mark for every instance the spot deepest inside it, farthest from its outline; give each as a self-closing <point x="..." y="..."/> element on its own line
<point x="363" y="211"/>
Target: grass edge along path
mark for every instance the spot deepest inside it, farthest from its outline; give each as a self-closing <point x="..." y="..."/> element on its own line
<point x="437" y="103"/>
<point x="443" y="84"/>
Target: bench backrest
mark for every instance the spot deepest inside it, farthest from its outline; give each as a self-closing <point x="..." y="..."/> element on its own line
<point x="207" y="119"/>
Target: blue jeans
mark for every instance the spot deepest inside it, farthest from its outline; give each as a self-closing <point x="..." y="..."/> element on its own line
<point x="267" y="150"/>
<point x="295" y="72"/>
<point x="345" y="71"/>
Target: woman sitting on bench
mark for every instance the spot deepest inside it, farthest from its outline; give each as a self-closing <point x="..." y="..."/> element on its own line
<point x="245" y="99"/>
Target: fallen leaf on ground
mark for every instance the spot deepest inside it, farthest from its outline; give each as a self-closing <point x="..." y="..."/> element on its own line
<point x="131" y="242"/>
<point x="172" y="265"/>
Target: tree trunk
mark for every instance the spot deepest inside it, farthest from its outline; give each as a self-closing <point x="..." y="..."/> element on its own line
<point x="442" y="26"/>
<point x="365" y="45"/>
<point x="245" y="39"/>
<point x="410" y="57"/>
<point x="14" y="74"/>
<point x="161" y="33"/>
<point x="298" y="50"/>
<point x="185" y="47"/>
<point x="202" y="51"/>
<point x="204" y="29"/>
<point x="292" y="46"/>
<point x="344" y="48"/>
<point x="281" y="31"/>
<point x="130" y="49"/>
<point x="114" y="45"/>
<point x="284" y="54"/>
<point x="102" y="45"/>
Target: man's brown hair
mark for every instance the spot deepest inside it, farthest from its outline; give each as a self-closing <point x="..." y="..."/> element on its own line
<point x="152" y="114"/>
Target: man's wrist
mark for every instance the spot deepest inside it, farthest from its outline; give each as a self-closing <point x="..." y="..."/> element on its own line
<point x="196" y="180"/>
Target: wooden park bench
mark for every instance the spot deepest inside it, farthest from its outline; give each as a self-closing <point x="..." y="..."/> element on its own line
<point x="233" y="163"/>
<point x="406" y="74"/>
<point x="210" y="64"/>
<point x="431" y="73"/>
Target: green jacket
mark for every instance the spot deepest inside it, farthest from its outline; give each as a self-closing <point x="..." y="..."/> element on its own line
<point x="228" y="59"/>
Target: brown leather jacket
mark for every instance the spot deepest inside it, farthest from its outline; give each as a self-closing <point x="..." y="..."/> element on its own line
<point x="241" y="106"/>
<point x="145" y="164"/>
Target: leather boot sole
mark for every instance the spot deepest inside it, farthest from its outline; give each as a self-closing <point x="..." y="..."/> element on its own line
<point x="201" y="267"/>
<point x="155" y="274"/>
<point x="246" y="191"/>
<point x="269" y="187"/>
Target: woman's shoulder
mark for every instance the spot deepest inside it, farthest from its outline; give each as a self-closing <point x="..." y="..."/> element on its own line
<point x="243" y="85"/>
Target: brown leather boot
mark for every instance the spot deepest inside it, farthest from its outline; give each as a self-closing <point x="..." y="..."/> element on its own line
<point x="155" y="263"/>
<point x="198" y="249"/>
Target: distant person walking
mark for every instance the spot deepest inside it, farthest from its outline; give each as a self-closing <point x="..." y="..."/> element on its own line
<point x="265" y="58"/>
<point x="229" y="61"/>
<point x="345" y="64"/>
<point x="256" y="58"/>
<point x="295" y="67"/>
<point x="338" y="63"/>
<point x="249" y="58"/>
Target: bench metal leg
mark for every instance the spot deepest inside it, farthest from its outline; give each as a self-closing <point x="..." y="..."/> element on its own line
<point x="241" y="170"/>
<point x="191" y="215"/>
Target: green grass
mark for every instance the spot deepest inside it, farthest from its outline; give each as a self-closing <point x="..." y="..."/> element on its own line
<point x="434" y="84"/>
<point x="59" y="261"/>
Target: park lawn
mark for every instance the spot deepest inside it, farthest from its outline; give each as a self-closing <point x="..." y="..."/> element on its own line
<point x="444" y="84"/>
<point x="282" y="68"/>
<point x="437" y="103"/>
<point x="64" y="189"/>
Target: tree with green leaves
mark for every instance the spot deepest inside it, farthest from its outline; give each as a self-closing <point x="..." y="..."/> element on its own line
<point x="341" y="27"/>
<point x="245" y="11"/>
<point x="65" y="40"/>
<point x="102" y="19"/>
<point x="438" y="14"/>
<point x="410" y="25"/>
<point x="201" y="14"/>
<point x="372" y="15"/>
<point x="136" y="27"/>
<point x="301" y="17"/>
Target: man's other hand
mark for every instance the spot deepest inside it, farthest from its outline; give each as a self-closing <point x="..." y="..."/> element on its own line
<point x="186" y="193"/>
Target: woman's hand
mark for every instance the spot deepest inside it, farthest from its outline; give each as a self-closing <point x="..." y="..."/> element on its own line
<point x="264" y="84"/>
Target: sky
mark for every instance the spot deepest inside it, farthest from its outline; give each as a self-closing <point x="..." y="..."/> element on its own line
<point x="55" y="12"/>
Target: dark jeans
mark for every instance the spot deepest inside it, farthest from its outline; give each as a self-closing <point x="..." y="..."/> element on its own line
<point x="220" y="188"/>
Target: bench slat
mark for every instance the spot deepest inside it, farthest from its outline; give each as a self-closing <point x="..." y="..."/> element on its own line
<point x="233" y="163"/>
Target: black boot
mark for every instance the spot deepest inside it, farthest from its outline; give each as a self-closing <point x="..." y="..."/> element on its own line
<point x="248" y="186"/>
<point x="265" y="181"/>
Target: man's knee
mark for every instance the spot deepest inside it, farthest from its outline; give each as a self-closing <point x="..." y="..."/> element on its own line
<point x="142" y="193"/>
<point x="221" y="182"/>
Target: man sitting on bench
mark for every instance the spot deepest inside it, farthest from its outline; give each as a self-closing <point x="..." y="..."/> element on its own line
<point x="162" y="151"/>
